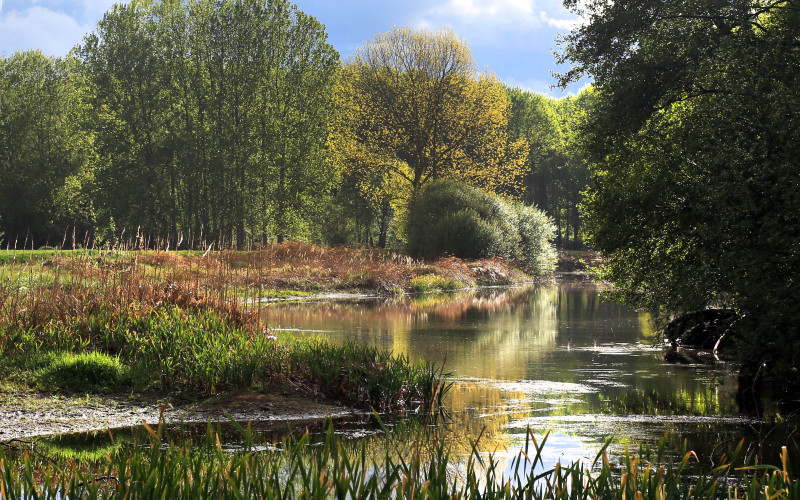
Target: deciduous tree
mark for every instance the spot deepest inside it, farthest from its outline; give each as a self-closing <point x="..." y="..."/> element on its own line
<point x="46" y="156"/>
<point x="695" y="142"/>
<point x="413" y="109"/>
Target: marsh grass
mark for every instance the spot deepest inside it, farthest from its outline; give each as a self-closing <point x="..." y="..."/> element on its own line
<point x="178" y="322"/>
<point x="168" y="467"/>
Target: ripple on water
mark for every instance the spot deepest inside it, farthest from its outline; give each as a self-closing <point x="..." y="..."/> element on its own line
<point x="530" y="387"/>
<point x="616" y="349"/>
<point x="631" y="419"/>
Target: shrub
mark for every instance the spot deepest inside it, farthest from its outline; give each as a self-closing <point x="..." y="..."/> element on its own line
<point x="450" y="217"/>
<point x="454" y="218"/>
<point x="536" y="231"/>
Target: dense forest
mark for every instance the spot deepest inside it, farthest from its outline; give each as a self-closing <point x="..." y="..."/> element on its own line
<point x="236" y="122"/>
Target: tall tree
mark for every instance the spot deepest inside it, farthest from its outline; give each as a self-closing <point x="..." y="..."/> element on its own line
<point x="127" y="73"/>
<point x="556" y="173"/>
<point x="211" y="115"/>
<point x="695" y="140"/>
<point x="414" y="109"/>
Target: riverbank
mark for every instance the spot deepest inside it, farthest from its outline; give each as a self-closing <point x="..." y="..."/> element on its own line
<point x="58" y="302"/>
<point x="95" y="339"/>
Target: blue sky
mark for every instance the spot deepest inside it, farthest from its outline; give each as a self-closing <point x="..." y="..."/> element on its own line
<point x="513" y="38"/>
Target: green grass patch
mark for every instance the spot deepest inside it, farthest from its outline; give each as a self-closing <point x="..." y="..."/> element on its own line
<point x="34" y="256"/>
<point x="434" y="283"/>
<point x="84" y="371"/>
<point x="202" y="353"/>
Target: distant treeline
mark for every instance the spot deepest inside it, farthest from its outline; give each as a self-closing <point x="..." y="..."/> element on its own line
<point x="207" y="121"/>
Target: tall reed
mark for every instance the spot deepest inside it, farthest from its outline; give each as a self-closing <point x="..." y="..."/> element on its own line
<point x="167" y="468"/>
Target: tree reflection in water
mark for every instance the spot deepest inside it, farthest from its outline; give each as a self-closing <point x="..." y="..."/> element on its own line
<point x="556" y="357"/>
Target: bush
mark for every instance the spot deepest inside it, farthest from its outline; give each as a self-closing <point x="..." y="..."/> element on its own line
<point x="454" y="218"/>
<point x="536" y="231"/>
<point x="450" y="217"/>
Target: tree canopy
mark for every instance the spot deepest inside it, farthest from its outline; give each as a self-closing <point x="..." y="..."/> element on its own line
<point x="211" y="116"/>
<point x="233" y="121"/>
<point x="414" y="109"/>
<point x="555" y="173"/>
<point x="46" y="155"/>
<point x="695" y="139"/>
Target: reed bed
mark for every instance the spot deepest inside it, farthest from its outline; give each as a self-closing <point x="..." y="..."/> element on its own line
<point x="165" y="467"/>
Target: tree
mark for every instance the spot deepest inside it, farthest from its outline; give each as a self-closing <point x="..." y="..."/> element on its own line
<point x="412" y="109"/>
<point x="211" y="116"/>
<point x="695" y="140"/>
<point x="46" y="157"/>
<point x="555" y="173"/>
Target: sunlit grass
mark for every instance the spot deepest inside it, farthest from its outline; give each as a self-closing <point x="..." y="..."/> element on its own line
<point x="434" y="283"/>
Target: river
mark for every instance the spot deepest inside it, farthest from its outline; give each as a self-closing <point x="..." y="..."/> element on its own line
<point x="555" y="360"/>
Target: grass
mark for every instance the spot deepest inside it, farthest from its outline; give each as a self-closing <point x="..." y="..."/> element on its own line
<point x="189" y="321"/>
<point x="167" y="466"/>
<point x="93" y="371"/>
<point x="434" y="283"/>
<point x="201" y="353"/>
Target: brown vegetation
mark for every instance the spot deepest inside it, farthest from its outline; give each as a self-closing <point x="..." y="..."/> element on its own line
<point x="76" y="289"/>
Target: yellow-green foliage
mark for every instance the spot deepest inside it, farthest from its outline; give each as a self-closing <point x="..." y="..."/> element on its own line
<point x="412" y="108"/>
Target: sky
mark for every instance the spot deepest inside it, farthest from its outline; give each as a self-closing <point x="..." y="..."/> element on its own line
<point x="515" y="39"/>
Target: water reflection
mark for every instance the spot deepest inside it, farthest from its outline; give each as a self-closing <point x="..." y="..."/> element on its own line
<point x="556" y="358"/>
<point x="553" y="361"/>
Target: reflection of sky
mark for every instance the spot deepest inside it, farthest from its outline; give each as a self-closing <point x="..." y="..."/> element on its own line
<point x="558" y="449"/>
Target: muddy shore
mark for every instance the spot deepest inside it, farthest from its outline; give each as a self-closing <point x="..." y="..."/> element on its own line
<point x="26" y="415"/>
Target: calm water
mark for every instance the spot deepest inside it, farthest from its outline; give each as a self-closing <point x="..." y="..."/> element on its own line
<point x="555" y="358"/>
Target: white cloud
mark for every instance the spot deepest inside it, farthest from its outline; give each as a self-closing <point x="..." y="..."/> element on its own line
<point x="54" y="33"/>
<point x="93" y="10"/>
<point x="564" y="24"/>
<point x="498" y="22"/>
<point x="532" y="85"/>
<point x="489" y="11"/>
